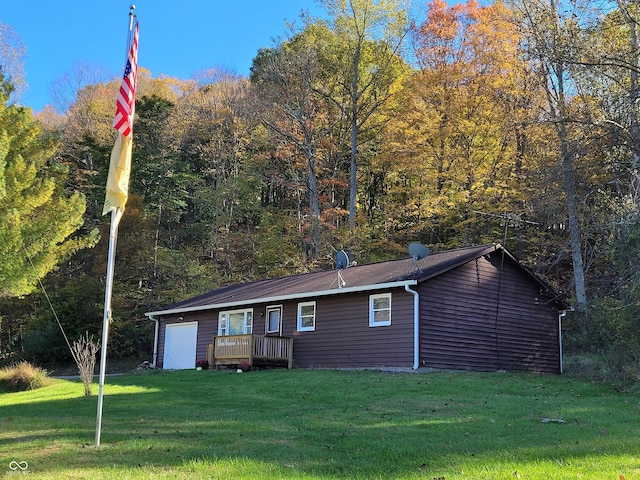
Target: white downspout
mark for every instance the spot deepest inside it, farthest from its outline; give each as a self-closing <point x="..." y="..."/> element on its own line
<point x="562" y="314"/>
<point x="155" y="340"/>
<point x="416" y="326"/>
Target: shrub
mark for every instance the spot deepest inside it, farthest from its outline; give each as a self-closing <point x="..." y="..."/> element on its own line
<point x="23" y="376"/>
<point x="84" y="353"/>
<point x="609" y="349"/>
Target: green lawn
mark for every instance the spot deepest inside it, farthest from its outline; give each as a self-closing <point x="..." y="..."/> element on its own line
<point x="324" y="424"/>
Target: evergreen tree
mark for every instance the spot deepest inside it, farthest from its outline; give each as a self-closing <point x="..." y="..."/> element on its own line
<point x="37" y="217"/>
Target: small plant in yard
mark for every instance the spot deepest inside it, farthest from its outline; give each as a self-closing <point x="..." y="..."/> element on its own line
<point x="84" y="353"/>
<point x="23" y="376"/>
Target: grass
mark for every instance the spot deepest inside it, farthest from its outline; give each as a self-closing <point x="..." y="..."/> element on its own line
<point x="288" y="424"/>
<point x="23" y="376"/>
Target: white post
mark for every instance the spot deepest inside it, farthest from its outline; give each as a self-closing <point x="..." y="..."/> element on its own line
<point x="113" y="237"/>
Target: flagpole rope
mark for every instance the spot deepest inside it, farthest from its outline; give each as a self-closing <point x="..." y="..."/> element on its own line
<point x="26" y="252"/>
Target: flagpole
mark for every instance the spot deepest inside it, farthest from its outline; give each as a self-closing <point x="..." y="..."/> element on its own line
<point x="111" y="260"/>
<point x="117" y="191"/>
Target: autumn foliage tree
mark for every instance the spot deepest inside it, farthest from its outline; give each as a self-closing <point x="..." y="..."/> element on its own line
<point x="362" y="65"/>
<point x="288" y="79"/>
<point x="452" y="148"/>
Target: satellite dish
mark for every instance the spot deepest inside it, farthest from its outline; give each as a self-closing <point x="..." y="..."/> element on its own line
<point x="418" y="251"/>
<point x="342" y="260"/>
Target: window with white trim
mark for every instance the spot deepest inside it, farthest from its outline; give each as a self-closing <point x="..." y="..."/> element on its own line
<point x="273" y="318"/>
<point x="380" y="310"/>
<point x="235" y="322"/>
<point x="306" y="316"/>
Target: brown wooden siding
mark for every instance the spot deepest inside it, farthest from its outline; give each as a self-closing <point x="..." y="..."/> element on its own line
<point x="467" y="324"/>
<point x="343" y="338"/>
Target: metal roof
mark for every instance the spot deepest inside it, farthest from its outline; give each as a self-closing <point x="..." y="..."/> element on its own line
<point x="375" y="276"/>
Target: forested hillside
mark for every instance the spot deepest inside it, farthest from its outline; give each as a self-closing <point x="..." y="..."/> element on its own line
<point x="515" y="123"/>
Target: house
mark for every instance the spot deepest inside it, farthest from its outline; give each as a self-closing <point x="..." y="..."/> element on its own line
<point x="475" y="308"/>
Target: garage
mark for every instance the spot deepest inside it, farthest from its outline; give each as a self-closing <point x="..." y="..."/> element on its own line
<point x="180" y="346"/>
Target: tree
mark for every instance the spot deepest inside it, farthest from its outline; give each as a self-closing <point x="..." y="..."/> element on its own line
<point x="37" y="218"/>
<point x="451" y="154"/>
<point x="210" y="130"/>
<point x="66" y="89"/>
<point x="552" y="37"/>
<point x="608" y="74"/>
<point x="12" y="53"/>
<point x="287" y="79"/>
<point x="610" y="62"/>
<point x="366" y="62"/>
<point x="631" y="15"/>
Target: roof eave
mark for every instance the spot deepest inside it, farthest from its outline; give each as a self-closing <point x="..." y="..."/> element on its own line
<point x="455" y="263"/>
<point x="281" y="298"/>
<point x="558" y="299"/>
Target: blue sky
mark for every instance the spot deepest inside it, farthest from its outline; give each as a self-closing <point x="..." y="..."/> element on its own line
<point x="178" y="39"/>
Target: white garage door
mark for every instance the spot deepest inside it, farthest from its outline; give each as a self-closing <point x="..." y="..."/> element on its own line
<point x="180" y="346"/>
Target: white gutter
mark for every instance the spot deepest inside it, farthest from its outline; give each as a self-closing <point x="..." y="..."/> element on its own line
<point x="416" y="326"/>
<point x="155" y="340"/>
<point x="280" y="298"/>
<point x="561" y="314"/>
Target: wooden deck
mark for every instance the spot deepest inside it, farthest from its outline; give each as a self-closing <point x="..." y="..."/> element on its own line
<point x="254" y="350"/>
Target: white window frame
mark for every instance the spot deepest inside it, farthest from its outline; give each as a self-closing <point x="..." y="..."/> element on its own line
<point x="306" y="328"/>
<point x="267" y="323"/>
<point x="223" y="321"/>
<point x="373" y="310"/>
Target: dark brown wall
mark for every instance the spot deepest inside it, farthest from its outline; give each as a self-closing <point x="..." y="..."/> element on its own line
<point x="342" y="337"/>
<point x="473" y="320"/>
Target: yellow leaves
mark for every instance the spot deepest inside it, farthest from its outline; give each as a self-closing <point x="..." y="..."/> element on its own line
<point x="452" y="144"/>
<point x="442" y="22"/>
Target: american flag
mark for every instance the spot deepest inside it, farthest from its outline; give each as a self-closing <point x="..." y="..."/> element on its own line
<point x="125" y="106"/>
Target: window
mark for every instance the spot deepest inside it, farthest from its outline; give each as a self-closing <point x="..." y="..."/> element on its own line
<point x="235" y="322"/>
<point x="274" y="315"/>
<point x="380" y="310"/>
<point x="306" y="316"/>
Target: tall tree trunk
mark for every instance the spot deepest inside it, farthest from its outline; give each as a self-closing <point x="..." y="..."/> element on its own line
<point x="314" y="204"/>
<point x="550" y="44"/>
<point x="353" y="177"/>
<point x="558" y="104"/>
<point x="574" y="225"/>
<point x="634" y="99"/>
<point x="353" y="180"/>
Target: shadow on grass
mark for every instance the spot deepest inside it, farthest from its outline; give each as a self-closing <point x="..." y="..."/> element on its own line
<point x="361" y="424"/>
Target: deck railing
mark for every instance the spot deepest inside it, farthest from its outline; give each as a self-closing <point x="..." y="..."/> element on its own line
<point x="251" y="349"/>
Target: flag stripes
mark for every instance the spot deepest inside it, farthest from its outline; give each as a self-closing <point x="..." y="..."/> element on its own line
<point x="125" y="105"/>
<point x="120" y="166"/>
